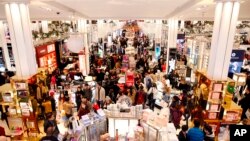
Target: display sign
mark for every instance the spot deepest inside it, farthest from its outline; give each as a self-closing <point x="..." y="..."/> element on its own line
<point x="46" y="57"/>
<point x="41" y="50"/>
<point x="236" y="61"/>
<point x="157" y="52"/>
<point x="51" y="48"/>
<point x="22" y="93"/>
<point x="7" y="97"/>
<point x="20" y="85"/>
<point x="15" y="124"/>
<point x="217" y="87"/>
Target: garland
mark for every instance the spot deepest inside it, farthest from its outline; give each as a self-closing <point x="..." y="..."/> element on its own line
<point x="56" y="28"/>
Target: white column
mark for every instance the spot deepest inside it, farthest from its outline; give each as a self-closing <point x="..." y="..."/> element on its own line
<point x="172" y="37"/>
<point x="21" y="38"/>
<point x="182" y="24"/>
<point x="158" y="28"/>
<point x="3" y="44"/>
<point x="45" y="27"/>
<point x="82" y="28"/>
<point x="35" y="26"/>
<point x="226" y="16"/>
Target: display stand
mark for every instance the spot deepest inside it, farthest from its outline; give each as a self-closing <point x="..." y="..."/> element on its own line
<point x="24" y="106"/>
<point x="7" y="95"/>
<point x="93" y="126"/>
<point x="220" y="107"/>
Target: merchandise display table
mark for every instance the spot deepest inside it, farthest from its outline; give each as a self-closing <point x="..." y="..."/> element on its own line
<point x="152" y="132"/>
<point x="89" y="128"/>
<point x="125" y="122"/>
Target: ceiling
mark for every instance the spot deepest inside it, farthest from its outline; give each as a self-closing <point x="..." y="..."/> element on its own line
<point x="205" y="9"/>
<point x="125" y="9"/>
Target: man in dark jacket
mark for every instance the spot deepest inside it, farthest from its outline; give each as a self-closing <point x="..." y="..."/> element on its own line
<point x="87" y="93"/>
<point x="245" y="103"/>
<point x="183" y="133"/>
<point x="49" y="129"/>
<point x="51" y="122"/>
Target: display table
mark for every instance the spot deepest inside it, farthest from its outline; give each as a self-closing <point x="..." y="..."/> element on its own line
<point x="89" y="128"/>
<point x="155" y="125"/>
<point x="153" y="133"/>
<point x="123" y="121"/>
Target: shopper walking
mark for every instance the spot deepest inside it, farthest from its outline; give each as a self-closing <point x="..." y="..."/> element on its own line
<point x="41" y="92"/>
<point x="140" y="97"/>
<point x="99" y="95"/>
<point x="67" y="107"/>
<point x="61" y="100"/>
<point x="49" y="129"/>
<point x="203" y="93"/>
<point x="183" y="133"/>
<point x="245" y="103"/>
<point x="209" y="134"/>
<point x="87" y="92"/>
<point x="83" y="110"/>
<point x="51" y="122"/>
<point x="78" y="96"/>
<point x="195" y="133"/>
<point x="152" y="94"/>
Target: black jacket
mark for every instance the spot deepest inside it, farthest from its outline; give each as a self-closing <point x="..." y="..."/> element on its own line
<point x="245" y="102"/>
<point x="49" y="138"/>
<point x="182" y="137"/>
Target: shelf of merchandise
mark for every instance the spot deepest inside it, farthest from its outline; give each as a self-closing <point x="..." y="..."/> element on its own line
<point x="220" y="107"/>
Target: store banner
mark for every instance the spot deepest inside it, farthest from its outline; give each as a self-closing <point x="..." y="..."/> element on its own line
<point x="157" y="52"/>
<point x="236" y="61"/>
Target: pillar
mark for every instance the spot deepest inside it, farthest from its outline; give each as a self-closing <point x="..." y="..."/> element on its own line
<point x="3" y="44"/>
<point x="18" y="19"/>
<point x="45" y="27"/>
<point x="182" y="25"/>
<point x="172" y="37"/>
<point x="226" y="16"/>
<point x="82" y="28"/>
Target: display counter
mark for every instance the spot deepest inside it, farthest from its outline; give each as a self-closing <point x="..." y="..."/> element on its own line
<point x="153" y="133"/>
<point x="89" y="128"/>
<point x="124" y="122"/>
<point x="154" y="124"/>
<point x="232" y="113"/>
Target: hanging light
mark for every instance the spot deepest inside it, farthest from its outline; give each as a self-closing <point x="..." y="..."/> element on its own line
<point x="75" y="43"/>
